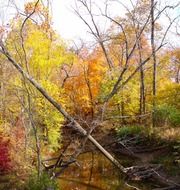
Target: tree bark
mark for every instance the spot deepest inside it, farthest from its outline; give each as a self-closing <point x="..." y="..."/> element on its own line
<point x="142" y="105"/>
<point x="88" y="83"/>
<point x="154" y="58"/>
<point x="178" y="74"/>
<point x="2" y="92"/>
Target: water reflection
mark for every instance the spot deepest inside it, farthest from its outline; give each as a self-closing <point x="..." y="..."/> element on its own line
<point x="94" y="172"/>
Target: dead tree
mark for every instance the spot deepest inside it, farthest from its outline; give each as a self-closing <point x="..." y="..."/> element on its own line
<point x="58" y="106"/>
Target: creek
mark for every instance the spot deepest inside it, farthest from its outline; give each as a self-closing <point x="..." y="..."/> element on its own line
<point x="94" y="172"/>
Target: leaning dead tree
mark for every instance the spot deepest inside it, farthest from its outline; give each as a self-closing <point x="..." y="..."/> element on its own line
<point x="58" y="106"/>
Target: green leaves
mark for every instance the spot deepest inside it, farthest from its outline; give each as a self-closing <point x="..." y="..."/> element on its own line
<point x="167" y="115"/>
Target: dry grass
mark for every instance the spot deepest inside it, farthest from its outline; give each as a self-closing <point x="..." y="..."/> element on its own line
<point x="172" y="134"/>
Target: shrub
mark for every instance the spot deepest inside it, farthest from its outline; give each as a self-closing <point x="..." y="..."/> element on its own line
<point x="174" y="117"/>
<point x="43" y="183"/>
<point x="166" y="114"/>
<point x="4" y="154"/>
<point x="129" y="130"/>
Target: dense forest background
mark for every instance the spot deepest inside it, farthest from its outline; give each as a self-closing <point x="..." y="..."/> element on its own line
<point x="127" y="79"/>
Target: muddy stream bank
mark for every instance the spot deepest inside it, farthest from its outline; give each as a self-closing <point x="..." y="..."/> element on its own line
<point x="93" y="171"/>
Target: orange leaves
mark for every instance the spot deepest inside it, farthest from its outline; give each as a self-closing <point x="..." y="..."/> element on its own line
<point x="83" y="88"/>
<point x="3" y="31"/>
<point x="42" y="12"/>
<point x="31" y="7"/>
<point x="176" y="54"/>
<point x="45" y="26"/>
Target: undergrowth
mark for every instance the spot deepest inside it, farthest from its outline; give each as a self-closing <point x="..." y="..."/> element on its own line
<point x="43" y="183"/>
<point x="131" y="130"/>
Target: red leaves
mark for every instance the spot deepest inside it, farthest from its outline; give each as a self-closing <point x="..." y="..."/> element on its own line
<point x="4" y="154"/>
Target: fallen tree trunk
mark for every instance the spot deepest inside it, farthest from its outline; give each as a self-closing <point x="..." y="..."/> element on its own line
<point x="58" y="106"/>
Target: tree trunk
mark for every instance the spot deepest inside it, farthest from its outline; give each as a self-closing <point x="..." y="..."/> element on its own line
<point x="154" y="58"/>
<point x="86" y="73"/>
<point x="142" y="106"/>
<point x="122" y="109"/>
<point x="2" y="92"/>
<point x="177" y="74"/>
